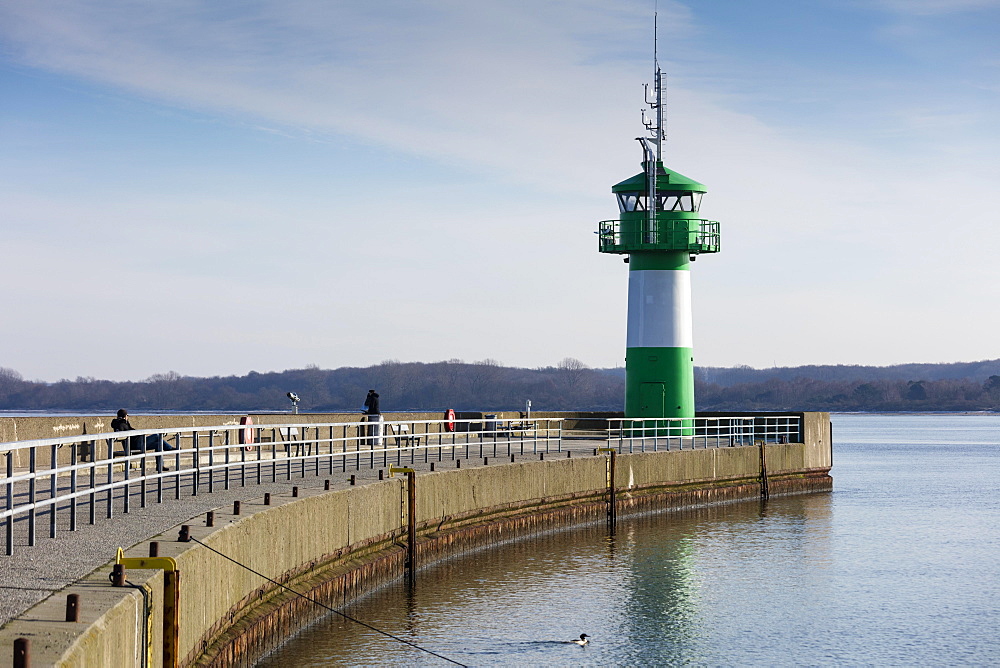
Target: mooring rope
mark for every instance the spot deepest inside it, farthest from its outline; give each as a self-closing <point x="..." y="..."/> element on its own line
<point x="326" y="607"/>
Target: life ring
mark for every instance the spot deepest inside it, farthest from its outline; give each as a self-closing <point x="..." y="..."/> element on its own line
<point x="246" y="433"/>
<point x="449" y="419"/>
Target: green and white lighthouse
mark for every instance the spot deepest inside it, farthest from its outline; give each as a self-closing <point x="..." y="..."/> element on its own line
<point x="660" y="231"/>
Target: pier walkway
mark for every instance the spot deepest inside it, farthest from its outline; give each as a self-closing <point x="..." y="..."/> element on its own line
<point x="32" y="573"/>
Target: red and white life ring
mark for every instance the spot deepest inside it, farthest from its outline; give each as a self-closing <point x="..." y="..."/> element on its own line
<point x="246" y="433"/>
<point x="449" y="417"/>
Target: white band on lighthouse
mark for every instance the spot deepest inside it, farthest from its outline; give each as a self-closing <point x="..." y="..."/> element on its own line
<point x="659" y="309"/>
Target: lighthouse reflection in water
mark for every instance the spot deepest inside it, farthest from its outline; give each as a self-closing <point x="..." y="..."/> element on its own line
<point x="896" y="567"/>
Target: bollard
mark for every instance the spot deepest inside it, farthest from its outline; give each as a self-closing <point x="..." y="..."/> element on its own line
<point x="117" y="576"/>
<point x="236" y="507"/>
<point x="295" y="492"/>
<point x="185" y="534"/>
<point x="380" y="474"/>
<point x="154" y="549"/>
<point x="432" y="466"/>
<point x="353" y="480"/>
<point x="267" y="498"/>
<point x="458" y="463"/>
<point x="541" y="456"/>
<point x="512" y="459"/>
<point x="326" y="485"/>
<point x="595" y="452"/>
<point x="73" y="608"/>
<point x="22" y="653"/>
<point x="486" y="461"/>
<point x="569" y="454"/>
<point x="210" y="518"/>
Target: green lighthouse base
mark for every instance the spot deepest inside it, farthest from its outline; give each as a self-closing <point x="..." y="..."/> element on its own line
<point x="659" y="383"/>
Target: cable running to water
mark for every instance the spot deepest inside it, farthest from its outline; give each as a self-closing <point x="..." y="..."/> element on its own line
<point x="326" y="607"/>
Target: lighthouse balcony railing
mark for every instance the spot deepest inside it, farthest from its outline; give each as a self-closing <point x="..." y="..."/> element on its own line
<point x="655" y="434"/>
<point x="693" y="235"/>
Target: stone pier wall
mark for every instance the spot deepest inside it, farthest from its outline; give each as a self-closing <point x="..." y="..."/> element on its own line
<point x="337" y="544"/>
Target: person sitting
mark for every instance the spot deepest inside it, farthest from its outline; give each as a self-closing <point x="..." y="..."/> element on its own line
<point x="142" y="443"/>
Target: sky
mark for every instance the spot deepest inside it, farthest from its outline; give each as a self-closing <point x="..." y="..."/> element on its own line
<point x="211" y="188"/>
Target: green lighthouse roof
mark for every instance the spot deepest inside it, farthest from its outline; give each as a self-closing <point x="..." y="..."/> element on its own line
<point x="665" y="180"/>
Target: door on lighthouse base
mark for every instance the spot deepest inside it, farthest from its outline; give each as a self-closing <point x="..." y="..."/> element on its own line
<point x="651" y="399"/>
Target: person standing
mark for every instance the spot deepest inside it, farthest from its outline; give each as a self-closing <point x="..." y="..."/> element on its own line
<point x="142" y="443"/>
<point x="371" y="403"/>
<point x="374" y="414"/>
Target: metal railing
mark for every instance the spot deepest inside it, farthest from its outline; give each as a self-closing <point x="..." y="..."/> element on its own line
<point x="694" y="235"/>
<point x="654" y="434"/>
<point x="49" y="479"/>
<point x="55" y="477"/>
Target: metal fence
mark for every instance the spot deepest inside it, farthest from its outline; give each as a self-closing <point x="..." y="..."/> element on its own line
<point x="60" y="477"/>
<point x="640" y="435"/>
<point x="67" y="477"/>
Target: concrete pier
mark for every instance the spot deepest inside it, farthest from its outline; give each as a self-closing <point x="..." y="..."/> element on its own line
<point x="334" y="545"/>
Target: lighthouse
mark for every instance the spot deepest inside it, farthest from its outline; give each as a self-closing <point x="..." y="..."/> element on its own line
<point x="660" y="232"/>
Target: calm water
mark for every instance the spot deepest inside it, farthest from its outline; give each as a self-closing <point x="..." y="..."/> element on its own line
<point x="899" y="566"/>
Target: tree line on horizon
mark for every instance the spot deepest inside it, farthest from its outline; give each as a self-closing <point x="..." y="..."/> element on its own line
<point x="488" y="385"/>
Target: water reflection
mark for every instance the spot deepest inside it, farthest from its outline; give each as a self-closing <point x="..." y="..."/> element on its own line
<point x="645" y="593"/>
<point x="897" y="567"/>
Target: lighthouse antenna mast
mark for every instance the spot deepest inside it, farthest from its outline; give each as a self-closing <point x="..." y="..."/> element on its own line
<point x="652" y="146"/>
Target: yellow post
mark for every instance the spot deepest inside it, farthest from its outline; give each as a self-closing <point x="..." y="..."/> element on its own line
<point x="171" y="600"/>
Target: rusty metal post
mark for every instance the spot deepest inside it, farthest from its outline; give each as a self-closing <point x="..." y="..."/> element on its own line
<point x="171" y="618"/>
<point x="22" y="653"/>
<point x="411" y="522"/>
<point x="210" y="518"/>
<point x="764" y="492"/>
<point x="236" y="507"/>
<point x="185" y="534"/>
<point x="295" y="492"/>
<point x="613" y="501"/>
<point x="117" y="576"/>
<point x="326" y="485"/>
<point x="154" y="549"/>
<point x="267" y="498"/>
<point x="73" y="608"/>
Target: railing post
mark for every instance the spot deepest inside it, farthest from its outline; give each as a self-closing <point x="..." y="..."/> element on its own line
<point x="211" y="461"/>
<point x="53" y="489"/>
<point x="10" y="503"/>
<point x="195" y="477"/>
<point x="31" y="497"/>
<point x="72" y="486"/>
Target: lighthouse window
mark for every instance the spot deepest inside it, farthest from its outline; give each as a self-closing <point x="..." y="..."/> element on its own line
<point x="667" y="201"/>
<point x="679" y="201"/>
<point x="631" y="202"/>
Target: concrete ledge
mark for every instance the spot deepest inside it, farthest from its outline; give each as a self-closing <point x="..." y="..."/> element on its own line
<point x="336" y="545"/>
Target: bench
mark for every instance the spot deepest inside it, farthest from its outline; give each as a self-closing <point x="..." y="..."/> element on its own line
<point x="401" y="432"/>
<point x="515" y="428"/>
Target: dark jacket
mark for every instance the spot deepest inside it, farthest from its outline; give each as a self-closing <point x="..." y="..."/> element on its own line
<point x="121" y="424"/>
<point x="371" y="404"/>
